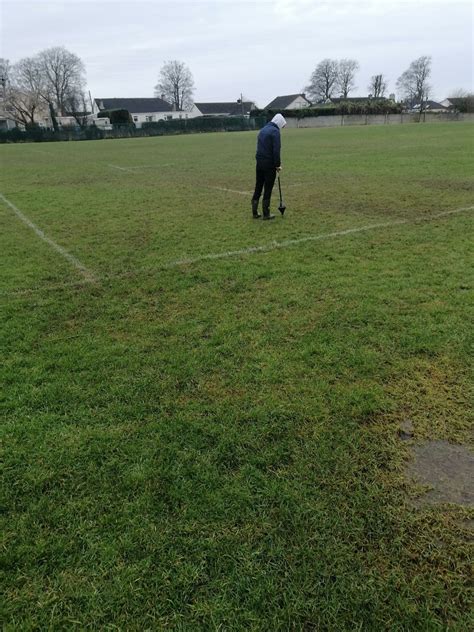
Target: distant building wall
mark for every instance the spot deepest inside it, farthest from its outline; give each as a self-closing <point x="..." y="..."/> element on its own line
<point x="377" y="119"/>
<point x="153" y="117"/>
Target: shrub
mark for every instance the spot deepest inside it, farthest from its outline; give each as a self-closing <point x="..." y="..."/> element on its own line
<point x="39" y="134"/>
<point x="465" y="104"/>
<point x="344" y="107"/>
<point x="202" y="124"/>
<point x="117" y="117"/>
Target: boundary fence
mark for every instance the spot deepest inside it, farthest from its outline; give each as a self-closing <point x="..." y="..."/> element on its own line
<point x="223" y="124"/>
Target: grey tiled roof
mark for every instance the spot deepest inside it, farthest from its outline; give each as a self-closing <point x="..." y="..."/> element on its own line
<point x="232" y="108"/>
<point x="135" y="106"/>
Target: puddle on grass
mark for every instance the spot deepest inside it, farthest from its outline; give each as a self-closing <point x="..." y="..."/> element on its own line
<point x="406" y="430"/>
<point x="447" y="468"/>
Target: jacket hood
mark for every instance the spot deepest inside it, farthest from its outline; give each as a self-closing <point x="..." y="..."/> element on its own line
<point x="279" y="120"/>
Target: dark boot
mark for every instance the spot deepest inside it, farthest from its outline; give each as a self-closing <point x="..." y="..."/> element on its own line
<point x="255" y="213"/>
<point x="266" y="210"/>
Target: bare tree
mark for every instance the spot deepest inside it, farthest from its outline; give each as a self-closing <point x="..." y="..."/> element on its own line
<point x="52" y="78"/>
<point x="377" y="86"/>
<point x="77" y="106"/>
<point x="62" y="73"/>
<point x="5" y="67"/>
<point x="22" y="107"/>
<point x="464" y="100"/>
<point x="5" y="70"/>
<point x="23" y="95"/>
<point x="459" y="93"/>
<point x="27" y="75"/>
<point x="346" y="71"/>
<point x="176" y="84"/>
<point x="323" y="80"/>
<point x="413" y="83"/>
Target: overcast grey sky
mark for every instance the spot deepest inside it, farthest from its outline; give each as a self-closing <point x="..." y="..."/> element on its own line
<point x="262" y="49"/>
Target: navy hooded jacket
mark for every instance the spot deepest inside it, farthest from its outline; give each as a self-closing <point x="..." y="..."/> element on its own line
<point x="268" y="146"/>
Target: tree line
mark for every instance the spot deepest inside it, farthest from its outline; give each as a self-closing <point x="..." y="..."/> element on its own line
<point x="52" y="79"/>
<point x="337" y="77"/>
<point x="55" y="80"/>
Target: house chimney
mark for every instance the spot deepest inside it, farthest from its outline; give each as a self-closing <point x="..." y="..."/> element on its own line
<point x="162" y="97"/>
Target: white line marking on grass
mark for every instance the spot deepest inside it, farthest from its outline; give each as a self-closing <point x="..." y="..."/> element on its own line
<point x="134" y="169"/>
<point x="455" y="210"/>
<point x="230" y="190"/>
<point x="157" y="166"/>
<point x="87" y="274"/>
<point x="120" y="168"/>
<point x="275" y="245"/>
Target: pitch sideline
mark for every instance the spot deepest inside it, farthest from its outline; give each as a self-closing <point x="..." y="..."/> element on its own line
<point x="275" y="245"/>
<point x="86" y="273"/>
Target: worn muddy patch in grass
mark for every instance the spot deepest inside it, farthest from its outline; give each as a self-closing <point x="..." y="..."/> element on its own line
<point x="447" y="468"/>
<point x="435" y="394"/>
<point x="451" y="185"/>
<point x="213" y="445"/>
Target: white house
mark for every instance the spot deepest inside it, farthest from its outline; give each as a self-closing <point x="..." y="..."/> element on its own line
<point x="429" y="106"/>
<point x="289" y="102"/>
<point x="146" y="110"/>
<point x="6" y="120"/>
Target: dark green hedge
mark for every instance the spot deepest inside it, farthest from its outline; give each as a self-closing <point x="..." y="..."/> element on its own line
<point x="203" y="124"/>
<point x="465" y="104"/>
<point x="40" y="135"/>
<point x="345" y="107"/>
<point x="159" y="128"/>
<point x="117" y="117"/>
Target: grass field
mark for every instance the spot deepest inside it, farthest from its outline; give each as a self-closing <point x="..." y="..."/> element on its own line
<point x="201" y="412"/>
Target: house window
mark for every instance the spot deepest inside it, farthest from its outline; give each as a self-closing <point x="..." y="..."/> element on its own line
<point x="169" y="118"/>
<point x="149" y="119"/>
<point x="135" y="118"/>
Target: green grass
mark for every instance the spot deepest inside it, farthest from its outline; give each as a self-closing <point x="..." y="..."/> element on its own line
<point x="215" y="445"/>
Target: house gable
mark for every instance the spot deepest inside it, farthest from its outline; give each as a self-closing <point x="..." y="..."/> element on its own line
<point x="289" y="102"/>
<point x="142" y="110"/>
<point x="431" y="106"/>
<point x="454" y="102"/>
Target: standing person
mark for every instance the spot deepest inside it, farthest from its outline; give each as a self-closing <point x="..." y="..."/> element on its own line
<point x="268" y="163"/>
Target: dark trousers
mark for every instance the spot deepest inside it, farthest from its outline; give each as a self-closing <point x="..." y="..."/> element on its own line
<point x="265" y="177"/>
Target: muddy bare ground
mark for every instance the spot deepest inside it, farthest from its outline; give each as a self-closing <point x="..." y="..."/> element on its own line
<point x="448" y="470"/>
